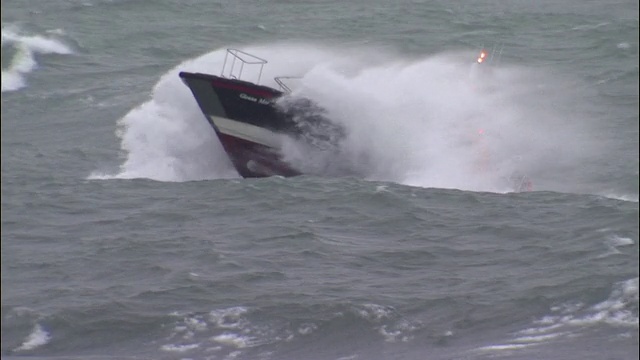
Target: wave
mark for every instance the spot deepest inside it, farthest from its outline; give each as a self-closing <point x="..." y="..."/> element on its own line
<point x="432" y="121"/>
<point x="25" y="50"/>
<point x="570" y="320"/>
<point x="241" y="332"/>
<point x="38" y="337"/>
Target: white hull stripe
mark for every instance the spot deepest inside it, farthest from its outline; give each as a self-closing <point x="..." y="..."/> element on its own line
<point x="247" y="132"/>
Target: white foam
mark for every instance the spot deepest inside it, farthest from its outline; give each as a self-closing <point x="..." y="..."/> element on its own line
<point x="24" y="58"/>
<point x="57" y="32"/>
<point x="196" y="324"/>
<point x="11" y="81"/>
<point x="179" y="348"/>
<point x="390" y="335"/>
<point x="618" y="308"/>
<point x="38" y="337"/>
<point x="568" y="320"/>
<point x="232" y="339"/>
<point x="590" y="26"/>
<point x="230" y="318"/>
<point x="613" y="242"/>
<point x="616" y="240"/>
<point x="537" y="338"/>
<point x="504" y="347"/>
<point x="543" y="329"/>
<point x="415" y="121"/>
<point x="373" y="312"/>
<point x="629" y="198"/>
<point x="388" y="323"/>
<point x="349" y="357"/>
<point x="230" y="329"/>
<point x="168" y="138"/>
<point x="307" y="328"/>
<point x="220" y="330"/>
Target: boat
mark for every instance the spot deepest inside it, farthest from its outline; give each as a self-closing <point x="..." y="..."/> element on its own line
<point x="250" y="122"/>
<point x="253" y="121"/>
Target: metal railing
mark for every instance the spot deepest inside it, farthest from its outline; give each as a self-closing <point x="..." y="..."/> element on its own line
<point x="230" y="69"/>
<point x="280" y="81"/>
<point x="243" y="58"/>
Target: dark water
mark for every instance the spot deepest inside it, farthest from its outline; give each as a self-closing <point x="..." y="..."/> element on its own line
<point x="127" y="234"/>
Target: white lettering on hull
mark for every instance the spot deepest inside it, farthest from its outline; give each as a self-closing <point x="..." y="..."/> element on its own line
<point x="254" y="99"/>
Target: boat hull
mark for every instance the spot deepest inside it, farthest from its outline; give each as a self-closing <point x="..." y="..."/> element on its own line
<point x="249" y="126"/>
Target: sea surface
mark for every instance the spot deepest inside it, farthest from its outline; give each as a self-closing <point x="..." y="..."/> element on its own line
<point x="127" y="234"/>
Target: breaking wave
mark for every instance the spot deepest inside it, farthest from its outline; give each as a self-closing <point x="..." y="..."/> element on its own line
<point x="23" y="58"/>
<point x="570" y="320"/>
<point x="38" y="337"/>
<point x="242" y="332"/>
<point x="432" y="121"/>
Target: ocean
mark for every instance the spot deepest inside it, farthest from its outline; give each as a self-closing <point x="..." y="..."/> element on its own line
<point x="127" y="233"/>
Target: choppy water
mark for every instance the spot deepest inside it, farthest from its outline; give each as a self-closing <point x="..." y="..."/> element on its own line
<point x="127" y="234"/>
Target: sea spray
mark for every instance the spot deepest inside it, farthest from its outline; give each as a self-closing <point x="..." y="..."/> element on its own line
<point x="435" y="121"/>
